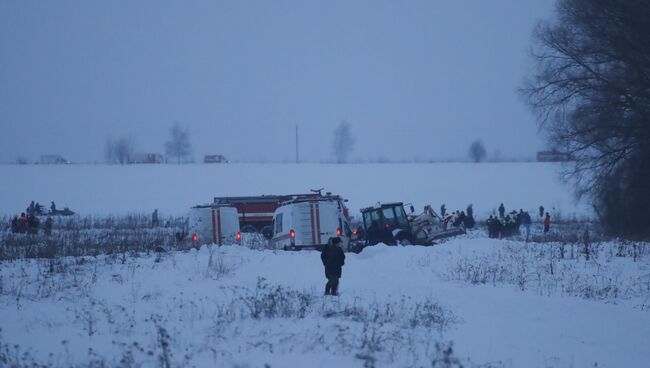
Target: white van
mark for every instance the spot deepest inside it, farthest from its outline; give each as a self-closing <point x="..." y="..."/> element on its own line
<point x="309" y="224"/>
<point x="214" y="224"/>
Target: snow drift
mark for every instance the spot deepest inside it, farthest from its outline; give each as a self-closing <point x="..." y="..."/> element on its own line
<point x="400" y="307"/>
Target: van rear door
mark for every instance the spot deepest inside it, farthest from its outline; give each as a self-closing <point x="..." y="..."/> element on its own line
<point x="225" y="225"/>
<point x="200" y="225"/>
<point x="328" y="220"/>
<point x="307" y="221"/>
<point x="303" y="223"/>
<point x="315" y="222"/>
<point x="216" y="225"/>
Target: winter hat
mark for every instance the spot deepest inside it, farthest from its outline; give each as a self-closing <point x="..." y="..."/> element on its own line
<point x="336" y="240"/>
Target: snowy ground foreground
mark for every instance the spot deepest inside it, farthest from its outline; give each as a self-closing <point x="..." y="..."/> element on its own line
<point x="249" y="308"/>
<point x="105" y="189"/>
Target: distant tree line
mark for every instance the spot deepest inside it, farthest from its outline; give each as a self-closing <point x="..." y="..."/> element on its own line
<point x="122" y="150"/>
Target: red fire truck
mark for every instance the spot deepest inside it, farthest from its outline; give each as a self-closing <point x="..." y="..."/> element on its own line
<point x="256" y="212"/>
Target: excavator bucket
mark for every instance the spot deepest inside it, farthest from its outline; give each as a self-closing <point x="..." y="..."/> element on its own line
<point x="447" y="233"/>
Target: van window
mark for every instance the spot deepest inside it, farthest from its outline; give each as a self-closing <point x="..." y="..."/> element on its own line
<point x="278" y="223"/>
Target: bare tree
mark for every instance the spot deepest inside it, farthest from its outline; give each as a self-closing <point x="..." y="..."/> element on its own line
<point x="477" y="151"/>
<point x="343" y="143"/>
<point x="119" y="151"/>
<point x="178" y="146"/>
<point x="591" y="92"/>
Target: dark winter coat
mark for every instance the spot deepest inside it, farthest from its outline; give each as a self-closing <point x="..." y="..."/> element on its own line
<point x="526" y="220"/>
<point x="48" y="226"/>
<point x="333" y="259"/>
<point x="469" y="222"/>
<point x="469" y="219"/>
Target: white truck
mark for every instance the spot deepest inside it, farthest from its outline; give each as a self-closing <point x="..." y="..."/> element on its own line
<point x="309" y="224"/>
<point x="214" y="224"/>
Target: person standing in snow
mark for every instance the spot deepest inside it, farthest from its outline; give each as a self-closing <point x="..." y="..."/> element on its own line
<point x="502" y="211"/>
<point x="460" y="220"/>
<point x="547" y="223"/>
<point x="14" y="224"/>
<point x="541" y="211"/>
<point x="507" y="226"/>
<point x="519" y="218"/>
<point x="30" y="209"/>
<point x="154" y="218"/>
<point x="498" y="229"/>
<point x="47" y="229"/>
<point x="526" y="221"/>
<point x="22" y="223"/>
<point x="32" y="224"/>
<point x="469" y="219"/>
<point x="333" y="260"/>
<point x="443" y="210"/>
<point x="490" y="226"/>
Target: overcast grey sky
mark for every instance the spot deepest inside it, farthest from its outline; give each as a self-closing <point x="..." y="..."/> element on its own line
<point x="414" y="78"/>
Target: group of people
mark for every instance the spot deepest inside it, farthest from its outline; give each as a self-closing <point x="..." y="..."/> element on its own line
<point x="28" y="221"/>
<point x="510" y="224"/>
<point x="38" y="209"/>
<point x="30" y="224"/>
<point x="457" y="218"/>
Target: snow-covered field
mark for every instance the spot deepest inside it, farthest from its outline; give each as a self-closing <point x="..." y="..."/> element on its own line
<point x="470" y="301"/>
<point x="106" y="189"/>
<point x="495" y="303"/>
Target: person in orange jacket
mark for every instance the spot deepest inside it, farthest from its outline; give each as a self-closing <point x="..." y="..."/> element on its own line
<point x="547" y="222"/>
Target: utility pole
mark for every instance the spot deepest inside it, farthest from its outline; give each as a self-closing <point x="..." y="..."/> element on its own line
<point x="297" y="158"/>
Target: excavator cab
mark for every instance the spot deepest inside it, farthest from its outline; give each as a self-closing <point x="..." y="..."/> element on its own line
<point x="389" y="215"/>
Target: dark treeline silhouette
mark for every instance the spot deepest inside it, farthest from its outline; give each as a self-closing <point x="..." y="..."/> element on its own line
<point x="591" y="90"/>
